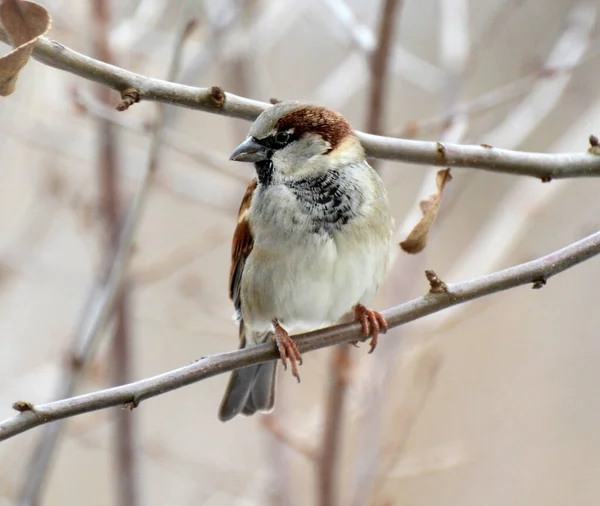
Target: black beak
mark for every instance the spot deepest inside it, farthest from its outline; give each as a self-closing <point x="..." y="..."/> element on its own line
<point x="250" y="151"/>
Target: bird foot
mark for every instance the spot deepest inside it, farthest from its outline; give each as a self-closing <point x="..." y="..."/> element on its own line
<point x="373" y="323"/>
<point x="287" y="349"/>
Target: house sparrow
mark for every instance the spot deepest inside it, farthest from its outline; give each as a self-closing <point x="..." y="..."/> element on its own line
<point x="312" y="241"/>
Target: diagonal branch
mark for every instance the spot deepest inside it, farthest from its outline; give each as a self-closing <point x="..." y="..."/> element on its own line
<point x="214" y="100"/>
<point x="536" y="271"/>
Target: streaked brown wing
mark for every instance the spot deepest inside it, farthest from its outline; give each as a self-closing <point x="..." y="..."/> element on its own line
<point x="241" y="248"/>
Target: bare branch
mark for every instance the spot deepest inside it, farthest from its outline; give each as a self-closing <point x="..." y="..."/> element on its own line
<point x="214" y="100"/>
<point x="132" y="394"/>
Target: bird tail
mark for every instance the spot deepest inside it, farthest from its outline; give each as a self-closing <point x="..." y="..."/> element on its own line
<point x="250" y="389"/>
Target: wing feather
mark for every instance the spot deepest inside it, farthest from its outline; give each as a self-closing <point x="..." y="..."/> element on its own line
<point x="240" y="249"/>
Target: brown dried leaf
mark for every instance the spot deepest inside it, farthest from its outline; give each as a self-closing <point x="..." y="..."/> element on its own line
<point x="24" y="23"/>
<point x="417" y="239"/>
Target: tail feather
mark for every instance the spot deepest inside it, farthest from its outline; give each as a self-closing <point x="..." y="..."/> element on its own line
<point x="262" y="394"/>
<point x="237" y="392"/>
<point x="249" y="390"/>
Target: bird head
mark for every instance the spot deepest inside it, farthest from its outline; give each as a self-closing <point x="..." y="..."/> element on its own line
<point x="292" y="140"/>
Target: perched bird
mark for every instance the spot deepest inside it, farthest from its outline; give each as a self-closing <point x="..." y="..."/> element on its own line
<point x="312" y="240"/>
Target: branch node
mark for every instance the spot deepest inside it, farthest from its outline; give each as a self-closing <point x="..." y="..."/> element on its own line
<point x="486" y="146"/>
<point x="436" y="285"/>
<point x="22" y="406"/>
<point x="539" y="283"/>
<point x="594" y="145"/>
<point x="129" y="97"/>
<point x="274" y="101"/>
<point x="218" y="95"/>
<point x="132" y="404"/>
<point x="440" y="154"/>
<point x="546" y="179"/>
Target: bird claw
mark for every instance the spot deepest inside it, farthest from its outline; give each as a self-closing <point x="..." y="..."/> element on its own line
<point x="373" y="323"/>
<point x="287" y="350"/>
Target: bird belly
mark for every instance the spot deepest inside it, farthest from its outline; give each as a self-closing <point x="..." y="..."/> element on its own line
<point x="309" y="285"/>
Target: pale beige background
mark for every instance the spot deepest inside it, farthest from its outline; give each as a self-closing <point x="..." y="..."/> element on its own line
<point x="512" y="416"/>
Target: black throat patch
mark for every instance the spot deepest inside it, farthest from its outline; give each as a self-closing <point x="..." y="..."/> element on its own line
<point x="328" y="200"/>
<point x="264" y="172"/>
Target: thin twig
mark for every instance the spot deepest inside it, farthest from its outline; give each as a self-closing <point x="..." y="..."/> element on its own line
<point x="214" y="100"/>
<point x="132" y="394"/>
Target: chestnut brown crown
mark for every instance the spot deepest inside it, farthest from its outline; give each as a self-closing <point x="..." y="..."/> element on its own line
<point x="330" y="125"/>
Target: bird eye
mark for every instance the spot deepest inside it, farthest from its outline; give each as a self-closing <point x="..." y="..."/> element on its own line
<point x="282" y="137"/>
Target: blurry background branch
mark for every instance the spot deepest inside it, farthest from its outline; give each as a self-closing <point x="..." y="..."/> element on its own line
<point x="215" y="100"/>
<point x="110" y="297"/>
<point x="125" y="431"/>
<point x="536" y="272"/>
<point x="379" y="61"/>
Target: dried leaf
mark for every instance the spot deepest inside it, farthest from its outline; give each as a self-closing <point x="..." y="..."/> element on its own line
<point x="417" y="239"/>
<point x="24" y="23"/>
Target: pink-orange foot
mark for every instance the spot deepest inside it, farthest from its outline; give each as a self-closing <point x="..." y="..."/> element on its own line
<point x="373" y="323"/>
<point x="287" y="349"/>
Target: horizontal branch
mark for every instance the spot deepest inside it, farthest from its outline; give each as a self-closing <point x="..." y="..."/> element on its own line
<point x="130" y="395"/>
<point x="215" y="100"/>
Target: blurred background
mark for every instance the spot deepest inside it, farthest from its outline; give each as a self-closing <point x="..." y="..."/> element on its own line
<point x="494" y="402"/>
